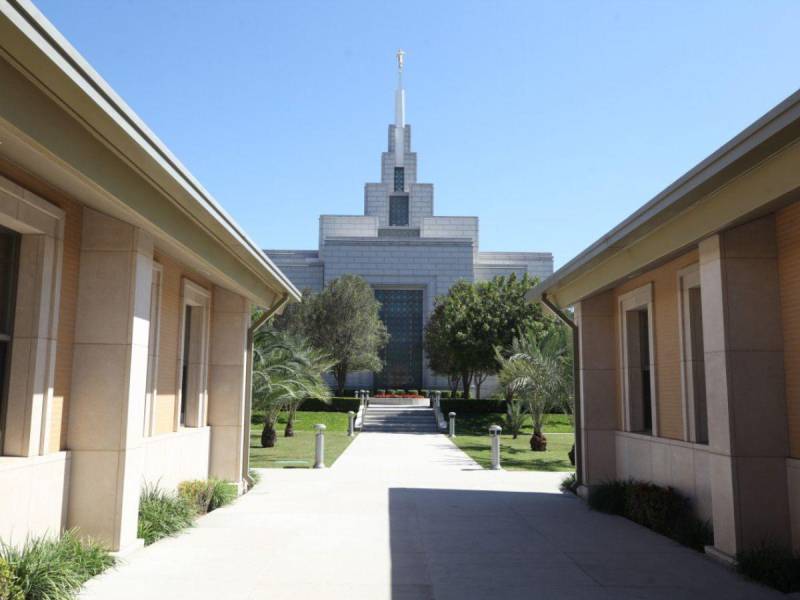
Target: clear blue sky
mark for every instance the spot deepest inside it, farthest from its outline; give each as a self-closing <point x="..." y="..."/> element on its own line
<point x="550" y="121"/>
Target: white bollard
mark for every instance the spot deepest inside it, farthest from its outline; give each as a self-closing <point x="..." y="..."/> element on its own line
<point x="319" y="449"/>
<point x="351" y="423"/>
<point x="494" y="432"/>
<point x="452" y="416"/>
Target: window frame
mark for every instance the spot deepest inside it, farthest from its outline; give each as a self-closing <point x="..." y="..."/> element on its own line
<point x="688" y="279"/>
<point x="636" y="300"/>
<point x="31" y="372"/>
<point x="9" y="336"/>
<point x="153" y="350"/>
<point x="197" y="297"/>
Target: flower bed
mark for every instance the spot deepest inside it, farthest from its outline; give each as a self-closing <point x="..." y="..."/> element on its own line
<point x="397" y="396"/>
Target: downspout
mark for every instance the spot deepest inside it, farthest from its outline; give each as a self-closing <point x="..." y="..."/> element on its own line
<point x="576" y="382"/>
<point x="248" y="401"/>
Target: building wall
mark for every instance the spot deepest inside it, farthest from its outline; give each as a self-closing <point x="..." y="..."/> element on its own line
<point x="787" y="224"/>
<point x="347" y="226"/>
<point x="34" y="498"/>
<point x="492" y="264"/>
<point x="666" y="334"/>
<point x="179" y="456"/>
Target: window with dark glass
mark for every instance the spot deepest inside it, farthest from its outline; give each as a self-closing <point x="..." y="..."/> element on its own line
<point x="401" y="312"/>
<point x="398" y="210"/>
<point x="399" y="179"/>
<point x="187" y="344"/>
<point x="9" y="260"/>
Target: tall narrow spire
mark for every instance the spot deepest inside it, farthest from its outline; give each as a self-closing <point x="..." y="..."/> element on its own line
<point x="399" y="113"/>
<point x="400" y="93"/>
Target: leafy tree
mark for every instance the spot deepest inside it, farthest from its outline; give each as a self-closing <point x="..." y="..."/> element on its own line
<point x="441" y="353"/>
<point x="475" y="318"/>
<point x="343" y="321"/>
<point x="535" y="372"/>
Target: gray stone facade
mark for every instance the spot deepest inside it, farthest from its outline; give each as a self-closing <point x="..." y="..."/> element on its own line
<point x="403" y="249"/>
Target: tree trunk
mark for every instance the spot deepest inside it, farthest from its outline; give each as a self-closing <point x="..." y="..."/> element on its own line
<point x="466" y="379"/>
<point x="538" y="442"/>
<point x="453" y="381"/>
<point x="340" y="371"/>
<point x="268" y="435"/>
<point x="289" y="429"/>
<point x="571" y="455"/>
<point x="479" y="379"/>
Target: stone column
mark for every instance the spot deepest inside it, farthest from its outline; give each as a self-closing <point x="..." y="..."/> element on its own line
<point x="106" y="409"/>
<point x="595" y="319"/>
<point x="230" y="318"/>
<point x="747" y="419"/>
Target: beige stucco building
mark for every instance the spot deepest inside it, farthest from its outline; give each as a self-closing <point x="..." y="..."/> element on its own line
<point x="688" y="321"/>
<point x="125" y="299"/>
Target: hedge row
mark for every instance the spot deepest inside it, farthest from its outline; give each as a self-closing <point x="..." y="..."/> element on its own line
<point x="336" y="405"/>
<point x="464" y="407"/>
<point x="662" y="509"/>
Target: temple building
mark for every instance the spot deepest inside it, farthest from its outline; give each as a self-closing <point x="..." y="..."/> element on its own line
<point x="406" y="252"/>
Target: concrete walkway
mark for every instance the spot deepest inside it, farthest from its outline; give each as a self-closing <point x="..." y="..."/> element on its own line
<point x="404" y="516"/>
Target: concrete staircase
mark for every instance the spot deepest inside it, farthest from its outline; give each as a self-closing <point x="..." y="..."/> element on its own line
<point x="399" y="419"/>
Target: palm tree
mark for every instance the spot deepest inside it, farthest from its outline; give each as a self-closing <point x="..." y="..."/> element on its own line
<point x="283" y="376"/>
<point x="534" y="372"/>
<point x="311" y="365"/>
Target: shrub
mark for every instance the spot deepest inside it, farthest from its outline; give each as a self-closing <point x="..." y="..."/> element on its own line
<point x="8" y="585"/>
<point x="206" y="495"/>
<point x="380" y="392"/>
<point x="339" y="404"/>
<point x="467" y="407"/>
<point x="772" y="565"/>
<point x="655" y="507"/>
<point x="446" y="394"/>
<point x="569" y="484"/>
<point x="162" y="514"/>
<point x="608" y="497"/>
<point x="693" y="532"/>
<point x="52" y="568"/>
<point x="413" y="392"/>
<point x="425" y="393"/>
<point x="459" y="394"/>
<point x="664" y="510"/>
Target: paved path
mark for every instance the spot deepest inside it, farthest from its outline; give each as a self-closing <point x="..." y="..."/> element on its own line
<point x="404" y="516"/>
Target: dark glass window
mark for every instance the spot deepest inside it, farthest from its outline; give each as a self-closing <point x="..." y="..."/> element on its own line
<point x="9" y="261"/>
<point x="399" y="179"/>
<point x="398" y="210"/>
<point x="401" y="312"/>
<point x="187" y="343"/>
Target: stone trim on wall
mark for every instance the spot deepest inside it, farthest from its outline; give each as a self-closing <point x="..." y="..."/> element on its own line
<point x="196" y="297"/>
<point x="33" y="356"/>
<point x="639" y="298"/>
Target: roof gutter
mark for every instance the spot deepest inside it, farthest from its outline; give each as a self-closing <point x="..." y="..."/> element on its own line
<point x="248" y="403"/>
<point x="576" y="374"/>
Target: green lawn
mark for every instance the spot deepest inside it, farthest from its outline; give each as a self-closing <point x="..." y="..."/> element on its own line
<point x="298" y="452"/>
<point x="472" y="436"/>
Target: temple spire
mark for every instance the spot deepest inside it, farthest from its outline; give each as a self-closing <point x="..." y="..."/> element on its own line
<point x="400" y="93"/>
